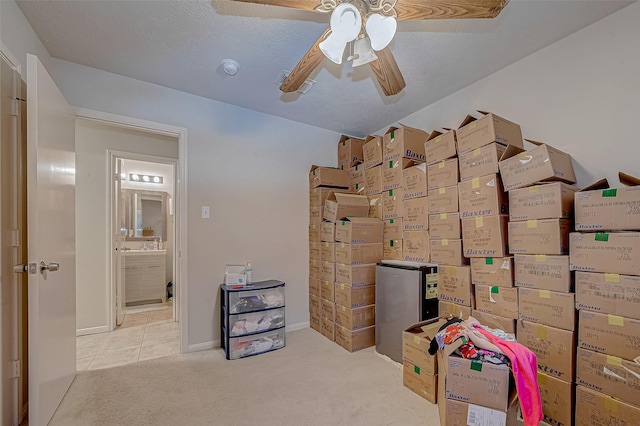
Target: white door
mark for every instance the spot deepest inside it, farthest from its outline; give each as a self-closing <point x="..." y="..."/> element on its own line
<point x="51" y="227"/>
<point x="117" y="227"/>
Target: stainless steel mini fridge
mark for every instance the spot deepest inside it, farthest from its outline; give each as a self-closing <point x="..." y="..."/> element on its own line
<point x="406" y="293"/>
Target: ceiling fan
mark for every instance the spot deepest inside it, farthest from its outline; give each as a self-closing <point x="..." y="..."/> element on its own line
<point x="370" y="26"/>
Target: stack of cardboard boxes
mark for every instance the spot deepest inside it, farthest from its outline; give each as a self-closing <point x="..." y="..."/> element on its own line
<point x="540" y="220"/>
<point x="605" y="254"/>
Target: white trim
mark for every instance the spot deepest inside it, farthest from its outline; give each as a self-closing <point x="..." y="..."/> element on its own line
<point x="180" y="204"/>
<point x="10" y="57"/>
<point x="205" y="346"/>
<point x="298" y="326"/>
<point x="92" y="330"/>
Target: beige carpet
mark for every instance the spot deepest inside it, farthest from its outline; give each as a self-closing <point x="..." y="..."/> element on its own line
<point x="312" y="381"/>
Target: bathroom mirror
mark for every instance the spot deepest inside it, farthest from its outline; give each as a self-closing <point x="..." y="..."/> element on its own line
<point x="145" y="214"/>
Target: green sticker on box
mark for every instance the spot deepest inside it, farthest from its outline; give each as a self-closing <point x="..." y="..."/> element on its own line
<point x="488" y="261"/>
<point x="391" y="193"/>
<point x="602" y="236"/>
<point x="341" y="166"/>
<point x="356" y="167"/>
<point x="314" y="172"/>
<point x="357" y="186"/>
<point x="391" y="243"/>
<point x="416" y="369"/>
<point x="391" y="164"/>
<point x="344" y="223"/>
<point x="476" y="365"/>
<point x="495" y="289"/>
<point x="393" y="134"/>
<point x="391" y="221"/>
<point x="610" y="192"/>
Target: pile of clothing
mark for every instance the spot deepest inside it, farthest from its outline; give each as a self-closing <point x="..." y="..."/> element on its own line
<point x="485" y="344"/>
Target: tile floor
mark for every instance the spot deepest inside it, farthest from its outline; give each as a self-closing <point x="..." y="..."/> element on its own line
<point x="142" y="335"/>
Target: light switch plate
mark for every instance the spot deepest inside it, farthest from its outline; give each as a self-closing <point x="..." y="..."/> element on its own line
<point x="206" y="212"/>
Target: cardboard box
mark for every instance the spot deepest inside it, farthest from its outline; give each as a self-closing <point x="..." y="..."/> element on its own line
<point x="327" y="252"/>
<point x="358" y="254"/>
<point x="314" y="304"/>
<point x="613" y="209"/>
<point x="458" y="413"/>
<point x="315" y="321"/>
<point x="315" y="215"/>
<point x="355" y="318"/>
<point x="443" y="200"/>
<point x="392" y="204"/>
<point x="356" y="275"/>
<point x="496" y="300"/>
<point x="480" y="383"/>
<point x="419" y="381"/>
<point x="492" y="271"/>
<point x="327" y="271"/>
<point x="548" y="307"/>
<point x="485" y="236"/>
<point x="328" y="329"/>
<point x="375" y="205"/>
<point x="354" y="297"/>
<point x="392" y="249"/>
<point x="355" y="340"/>
<point x="608" y="293"/>
<point x="416" y="214"/>
<point x="373" y="180"/>
<point x="442" y="174"/>
<point x="357" y="230"/>
<point x="358" y="188"/>
<point x="328" y="232"/>
<point x="327" y="290"/>
<point x="480" y="161"/>
<point x="416" y="340"/>
<point x="440" y="146"/>
<point x="327" y="309"/>
<point x="414" y="181"/>
<point x="548" y="201"/>
<point x="611" y="375"/>
<point x="557" y="399"/>
<point x="314" y="286"/>
<point x="340" y="205"/>
<point x="314" y="268"/>
<point x="404" y="141"/>
<point x="416" y="246"/>
<point x="350" y="152"/>
<point x="454" y="284"/>
<point x="540" y="164"/>
<point x="482" y="196"/>
<point x="448" y="252"/>
<point x="314" y="250"/>
<point x="539" y="236"/>
<point x="372" y="151"/>
<point x="555" y="348"/>
<point x="597" y="409"/>
<point x="617" y="252"/>
<point x="543" y="272"/>
<point x="314" y="233"/>
<point x="356" y="174"/>
<point x="328" y="176"/>
<point x="450" y="309"/>
<point x="445" y="225"/>
<point x="318" y="195"/>
<point x="508" y="325"/>
<point x="392" y="172"/>
<point x="609" y="334"/>
<point x="392" y="229"/>
<point x="482" y="128"/>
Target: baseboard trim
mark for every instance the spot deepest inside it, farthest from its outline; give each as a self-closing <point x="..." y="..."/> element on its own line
<point x="298" y="326"/>
<point x="204" y="346"/>
<point x="92" y="330"/>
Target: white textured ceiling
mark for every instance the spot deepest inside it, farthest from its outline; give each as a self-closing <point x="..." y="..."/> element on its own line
<point x="180" y="44"/>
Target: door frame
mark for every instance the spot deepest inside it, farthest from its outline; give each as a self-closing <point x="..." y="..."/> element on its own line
<point x="180" y="205"/>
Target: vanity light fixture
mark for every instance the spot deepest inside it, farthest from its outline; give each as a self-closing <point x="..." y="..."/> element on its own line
<point x="135" y="177"/>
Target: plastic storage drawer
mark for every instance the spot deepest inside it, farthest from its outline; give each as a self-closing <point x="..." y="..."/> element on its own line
<point x="243" y="346"/>
<point x="256" y="300"/>
<point x="255" y="322"/>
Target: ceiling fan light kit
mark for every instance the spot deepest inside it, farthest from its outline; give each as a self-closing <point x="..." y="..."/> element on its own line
<point x="380" y="24"/>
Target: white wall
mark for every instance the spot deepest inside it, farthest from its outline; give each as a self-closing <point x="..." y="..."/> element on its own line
<point x="580" y="94"/>
<point x="93" y="140"/>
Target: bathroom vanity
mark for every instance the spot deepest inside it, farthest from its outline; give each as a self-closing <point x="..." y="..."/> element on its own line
<point x="144" y="276"/>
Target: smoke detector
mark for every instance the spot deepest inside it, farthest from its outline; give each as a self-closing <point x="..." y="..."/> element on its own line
<point x="230" y="67"/>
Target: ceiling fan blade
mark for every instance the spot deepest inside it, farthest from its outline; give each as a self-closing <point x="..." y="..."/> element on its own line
<point x="309" y="5"/>
<point x="304" y="67"/>
<point x="448" y="9"/>
<point x="387" y="72"/>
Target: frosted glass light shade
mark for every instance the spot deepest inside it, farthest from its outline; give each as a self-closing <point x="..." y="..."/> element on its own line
<point x="346" y="24"/>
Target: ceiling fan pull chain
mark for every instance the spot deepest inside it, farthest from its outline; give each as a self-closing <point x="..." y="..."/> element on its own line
<point x="326" y="6"/>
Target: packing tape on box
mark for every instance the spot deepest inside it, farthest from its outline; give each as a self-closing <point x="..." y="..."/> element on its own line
<point x="541" y="257"/>
<point x="615" y="320"/>
<point x="475" y="183"/>
<point x="541" y="332"/>
<point x="611" y="405"/>
<point x="443" y="216"/>
<point x="416" y="340"/>
<point x="612" y="278"/>
<point x="542" y="379"/>
<point x="445" y="242"/>
<point x="442" y="164"/>
<point x="439" y="138"/>
<point x="472" y="125"/>
<point x="614" y="360"/>
<point x="532" y="223"/>
<point x="476" y="152"/>
<point x="534" y="188"/>
<point x="479" y="222"/>
<point x="545" y="294"/>
<point x="453" y="272"/>
<point x="442" y="190"/>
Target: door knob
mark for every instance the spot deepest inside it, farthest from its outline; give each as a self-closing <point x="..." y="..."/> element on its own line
<point x="49" y="266"/>
<point x="29" y="267"/>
